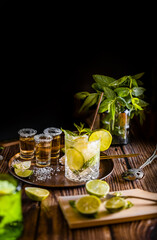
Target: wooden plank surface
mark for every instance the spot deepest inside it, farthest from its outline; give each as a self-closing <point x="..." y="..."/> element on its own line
<point x="141" y="209"/>
<point x="45" y="220"/>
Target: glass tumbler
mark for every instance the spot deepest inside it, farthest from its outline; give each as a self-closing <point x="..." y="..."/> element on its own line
<point x="11" y="220"/>
<point x="43" y="143"/>
<point x="82" y="158"/>
<point x="27" y="143"/>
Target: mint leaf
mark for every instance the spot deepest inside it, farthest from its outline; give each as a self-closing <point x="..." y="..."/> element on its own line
<point x="69" y="132"/>
<point x="72" y="203"/>
<point x="137" y="91"/>
<point x="122" y="91"/>
<point x="89" y="101"/>
<point x="103" y="80"/>
<point x="82" y="95"/>
<point x="91" y="162"/>
<point x="118" y="82"/>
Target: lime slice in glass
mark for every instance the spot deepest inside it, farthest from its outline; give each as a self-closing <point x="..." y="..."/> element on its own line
<point x="88" y="205"/>
<point x="75" y="159"/>
<point x="36" y="194"/>
<point x="24" y="174"/>
<point x="104" y="136"/>
<point x="23" y="165"/>
<point x="97" y="187"/>
<point x="115" y="204"/>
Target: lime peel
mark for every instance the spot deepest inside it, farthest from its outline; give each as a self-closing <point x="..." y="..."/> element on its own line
<point x="22" y="165"/>
<point x="75" y="159"/>
<point x="97" y="187"/>
<point x="115" y="204"/>
<point x="88" y="205"/>
<point x="104" y="136"/>
<point x="23" y="173"/>
<point x="36" y="194"/>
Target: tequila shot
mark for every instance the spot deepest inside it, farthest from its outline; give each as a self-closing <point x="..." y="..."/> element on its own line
<point x="56" y="134"/>
<point x="43" y="143"/>
<point x="27" y="143"/>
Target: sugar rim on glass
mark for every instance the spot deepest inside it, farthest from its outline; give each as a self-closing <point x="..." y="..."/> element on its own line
<point x="27" y="132"/>
<point x="53" y="131"/>
<point x="43" y="138"/>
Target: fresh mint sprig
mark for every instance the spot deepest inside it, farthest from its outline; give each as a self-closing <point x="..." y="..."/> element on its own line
<point x="81" y="130"/>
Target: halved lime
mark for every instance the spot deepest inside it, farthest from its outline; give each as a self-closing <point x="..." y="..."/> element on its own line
<point x="75" y="159"/>
<point x="97" y="187"/>
<point x="104" y="136"/>
<point x="115" y="204"/>
<point x="36" y="194"/>
<point x="88" y="204"/>
<point x="22" y="165"/>
<point x="6" y="187"/>
<point x="23" y="173"/>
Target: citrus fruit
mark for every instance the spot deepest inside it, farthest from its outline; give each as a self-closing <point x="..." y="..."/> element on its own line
<point x="23" y="165"/>
<point x="104" y="136"/>
<point x="97" y="187"/>
<point x="115" y="204"/>
<point x="23" y="173"/>
<point x="6" y="187"/>
<point x="75" y="159"/>
<point x="36" y="194"/>
<point x="88" y="205"/>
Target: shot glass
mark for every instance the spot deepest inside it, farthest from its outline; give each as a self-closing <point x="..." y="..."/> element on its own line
<point x="27" y="143"/>
<point x="56" y="134"/>
<point x="11" y="219"/>
<point x="43" y="143"/>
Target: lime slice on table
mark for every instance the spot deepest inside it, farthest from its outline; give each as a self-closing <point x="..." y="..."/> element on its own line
<point x="36" y="194"/>
<point x="22" y="165"/>
<point x="104" y="136"/>
<point x="23" y="173"/>
<point x="88" y="205"/>
<point x="115" y="204"/>
<point x="75" y="159"/>
<point x="97" y="187"/>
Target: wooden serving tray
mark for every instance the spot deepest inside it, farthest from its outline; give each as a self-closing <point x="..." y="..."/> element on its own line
<point x="142" y="209"/>
<point x="57" y="179"/>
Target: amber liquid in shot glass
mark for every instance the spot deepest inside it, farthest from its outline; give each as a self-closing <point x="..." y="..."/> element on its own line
<point x="27" y="143"/>
<point x="43" y="150"/>
<point x="56" y="134"/>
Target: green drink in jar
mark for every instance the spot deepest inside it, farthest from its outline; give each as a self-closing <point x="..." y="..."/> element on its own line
<point x="11" y="220"/>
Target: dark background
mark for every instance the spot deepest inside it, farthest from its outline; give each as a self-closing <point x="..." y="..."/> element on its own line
<point x="48" y="53"/>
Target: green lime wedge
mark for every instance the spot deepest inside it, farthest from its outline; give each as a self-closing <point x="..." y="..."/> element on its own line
<point x="23" y="173"/>
<point x="36" y="194"/>
<point x="23" y="165"/>
<point x="115" y="204"/>
<point x="75" y="159"/>
<point x="97" y="187"/>
<point x="104" y="136"/>
<point x="6" y="187"/>
<point x="88" y="205"/>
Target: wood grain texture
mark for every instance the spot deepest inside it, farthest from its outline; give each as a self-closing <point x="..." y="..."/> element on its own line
<point x="142" y="209"/>
<point x="45" y="221"/>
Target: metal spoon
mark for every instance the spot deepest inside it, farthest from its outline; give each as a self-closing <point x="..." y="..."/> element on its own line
<point x="109" y="195"/>
<point x="137" y="173"/>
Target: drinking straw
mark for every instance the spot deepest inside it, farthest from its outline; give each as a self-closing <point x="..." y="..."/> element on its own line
<point x="96" y="112"/>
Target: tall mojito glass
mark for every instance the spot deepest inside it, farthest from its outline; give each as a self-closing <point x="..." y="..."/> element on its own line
<point x="11" y="225"/>
<point x="82" y="158"/>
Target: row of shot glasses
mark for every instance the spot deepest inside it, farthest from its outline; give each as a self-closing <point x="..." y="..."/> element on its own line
<point x="45" y="147"/>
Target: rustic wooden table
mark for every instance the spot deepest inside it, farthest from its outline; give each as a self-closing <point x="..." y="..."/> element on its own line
<point x="45" y="220"/>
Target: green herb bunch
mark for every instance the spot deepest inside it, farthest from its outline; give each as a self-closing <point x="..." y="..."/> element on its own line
<point x="119" y="94"/>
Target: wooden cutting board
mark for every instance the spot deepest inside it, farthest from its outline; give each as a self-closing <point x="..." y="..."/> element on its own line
<point x="142" y="209"/>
